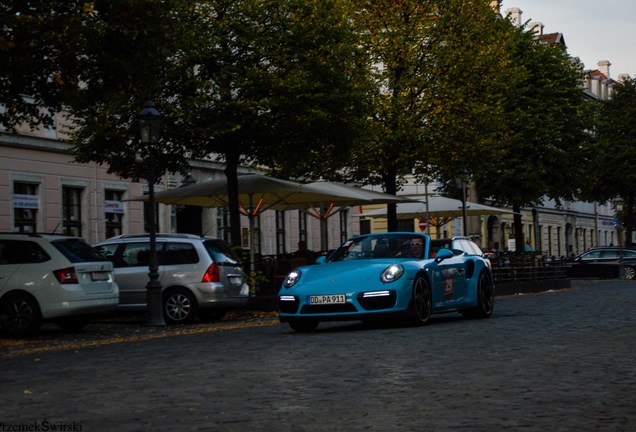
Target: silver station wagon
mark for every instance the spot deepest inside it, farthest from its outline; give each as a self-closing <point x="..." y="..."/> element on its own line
<point x="200" y="276"/>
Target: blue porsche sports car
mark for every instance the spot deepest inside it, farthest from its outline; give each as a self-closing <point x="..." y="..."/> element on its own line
<point x="398" y="274"/>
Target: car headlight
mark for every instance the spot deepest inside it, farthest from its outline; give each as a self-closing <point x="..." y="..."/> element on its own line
<point x="292" y="278"/>
<point x="392" y="273"/>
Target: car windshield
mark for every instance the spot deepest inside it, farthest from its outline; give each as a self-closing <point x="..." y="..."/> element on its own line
<point x="373" y="246"/>
<point x="221" y="253"/>
<point x="76" y="250"/>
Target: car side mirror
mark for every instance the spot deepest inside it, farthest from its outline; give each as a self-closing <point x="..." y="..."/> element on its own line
<point x="443" y="254"/>
<point x="321" y="259"/>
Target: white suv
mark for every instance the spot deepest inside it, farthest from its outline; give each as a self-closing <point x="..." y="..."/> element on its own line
<point x="54" y="278"/>
<point x="200" y="276"/>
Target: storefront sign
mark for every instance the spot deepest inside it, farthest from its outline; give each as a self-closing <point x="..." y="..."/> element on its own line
<point x="113" y="207"/>
<point x="24" y="201"/>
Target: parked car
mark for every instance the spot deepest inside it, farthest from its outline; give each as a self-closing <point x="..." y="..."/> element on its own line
<point x="604" y="262"/>
<point x="200" y="276"/>
<point x="387" y="275"/>
<point x="52" y="278"/>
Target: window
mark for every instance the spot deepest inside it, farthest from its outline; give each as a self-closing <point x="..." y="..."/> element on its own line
<point x="302" y="226"/>
<point x="21" y="252"/>
<point x="137" y="254"/>
<point x="223" y="223"/>
<point x="114" y="212"/>
<point x="344" y="235"/>
<point x="72" y="211"/>
<point x="365" y="226"/>
<point x="179" y="253"/>
<point x="280" y="232"/>
<point x="25" y="206"/>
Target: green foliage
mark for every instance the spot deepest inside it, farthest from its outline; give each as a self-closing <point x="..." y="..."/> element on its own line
<point x="39" y="39"/>
<point x="543" y="148"/>
<point x="439" y="70"/>
<point x="614" y="157"/>
<point x="255" y="280"/>
<point x="547" y="128"/>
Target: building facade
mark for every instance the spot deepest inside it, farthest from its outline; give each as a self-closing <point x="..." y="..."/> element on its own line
<point x="43" y="189"/>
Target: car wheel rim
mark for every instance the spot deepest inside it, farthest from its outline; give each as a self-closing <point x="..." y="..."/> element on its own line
<point x="19" y="315"/>
<point x="178" y="307"/>
<point x="629" y="273"/>
<point x="422" y="300"/>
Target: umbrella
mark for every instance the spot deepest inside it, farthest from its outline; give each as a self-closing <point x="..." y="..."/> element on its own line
<point x="258" y="193"/>
<point x="439" y="206"/>
<point x="440" y="209"/>
<point x="330" y="196"/>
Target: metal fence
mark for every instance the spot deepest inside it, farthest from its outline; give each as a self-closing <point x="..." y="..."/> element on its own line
<point x="527" y="266"/>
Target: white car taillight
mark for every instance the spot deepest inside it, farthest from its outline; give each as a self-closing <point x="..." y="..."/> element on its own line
<point x="66" y="275"/>
<point x="212" y="274"/>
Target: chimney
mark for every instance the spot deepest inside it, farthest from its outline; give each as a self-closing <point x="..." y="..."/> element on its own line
<point x="514" y="15"/>
<point x="604" y="66"/>
<point x="536" y="28"/>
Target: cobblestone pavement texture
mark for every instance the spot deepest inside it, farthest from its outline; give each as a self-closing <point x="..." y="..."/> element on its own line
<point x="553" y="361"/>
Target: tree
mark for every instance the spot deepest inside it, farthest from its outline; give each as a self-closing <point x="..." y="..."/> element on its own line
<point x="130" y="52"/>
<point x="38" y="38"/>
<point x="273" y="83"/>
<point x="244" y="81"/>
<point x="542" y="152"/>
<point x="438" y="69"/>
<point x="614" y="156"/>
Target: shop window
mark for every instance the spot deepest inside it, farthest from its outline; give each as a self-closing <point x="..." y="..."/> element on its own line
<point x="25" y="207"/>
<point x="114" y="212"/>
<point x="72" y="211"/>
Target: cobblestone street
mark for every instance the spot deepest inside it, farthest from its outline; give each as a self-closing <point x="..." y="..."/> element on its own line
<point x="557" y="361"/>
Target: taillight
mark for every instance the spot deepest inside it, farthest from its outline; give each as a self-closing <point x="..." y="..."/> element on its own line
<point x="212" y="274"/>
<point x="66" y="275"/>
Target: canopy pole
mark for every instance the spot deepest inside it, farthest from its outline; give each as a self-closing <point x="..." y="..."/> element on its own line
<point x="250" y="217"/>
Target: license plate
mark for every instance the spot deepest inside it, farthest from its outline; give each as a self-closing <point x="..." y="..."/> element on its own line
<point x="236" y="280"/>
<point x="326" y="299"/>
<point x="100" y="276"/>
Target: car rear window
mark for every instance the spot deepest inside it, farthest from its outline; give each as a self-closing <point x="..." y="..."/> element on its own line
<point x="76" y="250"/>
<point x="221" y="253"/>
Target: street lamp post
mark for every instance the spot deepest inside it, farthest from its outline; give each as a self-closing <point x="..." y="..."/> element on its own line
<point x="618" y="208"/>
<point x="150" y="121"/>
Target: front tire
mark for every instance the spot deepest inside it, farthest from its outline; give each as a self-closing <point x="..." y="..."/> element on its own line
<point x="485" y="298"/>
<point x="421" y="305"/>
<point x="21" y="315"/>
<point x="179" y="306"/>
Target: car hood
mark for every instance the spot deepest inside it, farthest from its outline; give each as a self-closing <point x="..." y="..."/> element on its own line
<point x="349" y="272"/>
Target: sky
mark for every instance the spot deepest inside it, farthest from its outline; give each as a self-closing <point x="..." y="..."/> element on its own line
<point x="593" y="30"/>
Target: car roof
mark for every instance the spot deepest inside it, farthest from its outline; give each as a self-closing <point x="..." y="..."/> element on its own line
<point x="161" y="236"/>
<point x="46" y="236"/>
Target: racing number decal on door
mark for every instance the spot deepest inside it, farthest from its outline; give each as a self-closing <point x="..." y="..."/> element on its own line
<point x="449" y="283"/>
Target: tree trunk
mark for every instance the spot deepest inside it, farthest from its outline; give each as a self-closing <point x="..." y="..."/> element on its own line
<point x="390" y="185"/>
